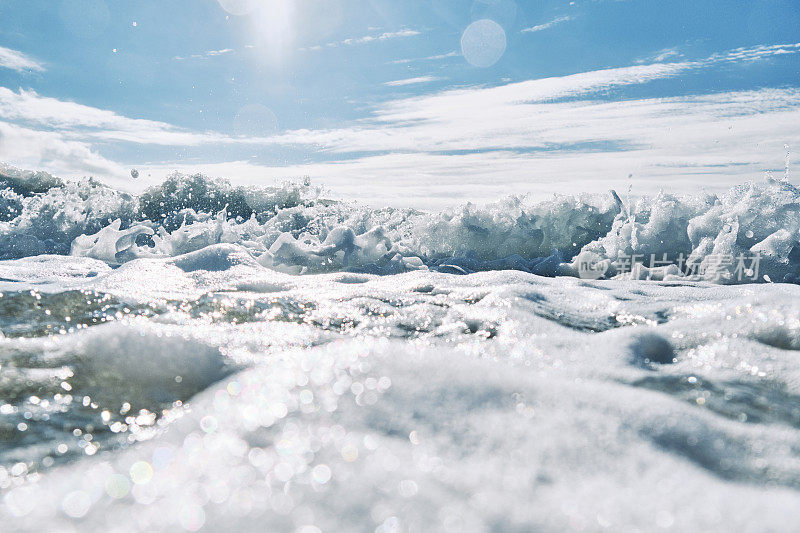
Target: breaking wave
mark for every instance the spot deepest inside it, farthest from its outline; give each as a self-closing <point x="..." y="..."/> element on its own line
<point x="749" y="234"/>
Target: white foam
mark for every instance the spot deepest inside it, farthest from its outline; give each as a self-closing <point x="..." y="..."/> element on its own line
<point x="425" y="400"/>
<point x="289" y="228"/>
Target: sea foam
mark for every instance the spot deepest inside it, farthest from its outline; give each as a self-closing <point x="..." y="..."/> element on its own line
<point x="749" y="234"/>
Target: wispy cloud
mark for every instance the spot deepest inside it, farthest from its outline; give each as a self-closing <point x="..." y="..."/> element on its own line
<point x="62" y="136"/>
<point x="503" y="113"/>
<point x="555" y="130"/>
<point x="365" y="39"/>
<point x="547" y="25"/>
<point x="51" y="151"/>
<point x="15" y="60"/>
<point x="469" y="118"/>
<point x="79" y="120"/>
<point x="757" y="52"/>
<point x="737" y="55"/>
<point x="209" y="53"/>
<point x="429" y="58"/>
<point x="82" y="122"/>
<point x="544" y="148"/>
<point x="661" y="55"/>
<point x="545" y="135"/>
<point x="219" y="52"/>
<point x="411" y="81"/>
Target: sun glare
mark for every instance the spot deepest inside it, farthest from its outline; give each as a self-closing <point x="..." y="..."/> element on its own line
<point x="272" y="26"/>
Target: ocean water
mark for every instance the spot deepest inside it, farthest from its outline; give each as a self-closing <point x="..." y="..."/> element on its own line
<point x="211" y="357"/>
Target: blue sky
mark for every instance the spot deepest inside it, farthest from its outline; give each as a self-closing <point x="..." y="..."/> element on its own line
<point x="409" y="103"/>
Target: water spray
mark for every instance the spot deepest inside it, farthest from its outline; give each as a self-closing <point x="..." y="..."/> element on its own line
<point x="786" y="163"/>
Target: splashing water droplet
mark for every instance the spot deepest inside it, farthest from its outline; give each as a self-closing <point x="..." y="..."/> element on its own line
<point x="786" y="165"/>
<point x="632" y="215"/>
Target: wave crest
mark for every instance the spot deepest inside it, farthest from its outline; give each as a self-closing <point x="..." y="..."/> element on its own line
<point x="291" y="228"/>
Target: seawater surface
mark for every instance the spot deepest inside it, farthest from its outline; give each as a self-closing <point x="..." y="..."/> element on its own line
<point x="203" y="357"/>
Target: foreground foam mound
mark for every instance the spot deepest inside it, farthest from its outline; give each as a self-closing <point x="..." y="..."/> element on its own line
<point x="423" y="401"/>
<point x="748" y="235"/>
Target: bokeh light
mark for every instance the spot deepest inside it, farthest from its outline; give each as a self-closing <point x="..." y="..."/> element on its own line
<point x="117" y="486"/>
<point x="192" y="517"/>
<point x="321" y="474"/>
<point x="141" y="472"/>
<point x="76" y="504"/>
<point x="483" y="43"/>
<point x="255" y="120"/>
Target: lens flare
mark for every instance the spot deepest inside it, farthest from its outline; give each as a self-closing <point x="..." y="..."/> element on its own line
<point x="255" y="120"/>
<point x="483" y="43"/>
<point x="273" y="31"/>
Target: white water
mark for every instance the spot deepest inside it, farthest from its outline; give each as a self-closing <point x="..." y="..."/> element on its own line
<point x="177" y="376"/>
<point x="292" y="229"/>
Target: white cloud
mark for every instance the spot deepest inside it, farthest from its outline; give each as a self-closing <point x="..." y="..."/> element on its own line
<point x="477" y="143"/>
<point x="470" y="119"/>
<point x="553" y="134"/>
<point x="209" y="53"/>
<point x="757" y="52"/>
<point x="82" y="122"/>
<point x="46" y="150"/>
<point x="85" y="121"/>
<point x="677" y="144"/>
<point x="504" y="117"/>
<point x="547" y="25"/>
<point x="382" y="37"/>
<point x="365" y="39"/>
<point x="219" y="52"/>
<point x="411" y="81"/>
<point x="429" y="58"/>
<point x="661" y="55"/>
<point x="14" y="60"/>
<point x="62" y="137"/>
<point x="754" y="53"/>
